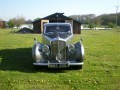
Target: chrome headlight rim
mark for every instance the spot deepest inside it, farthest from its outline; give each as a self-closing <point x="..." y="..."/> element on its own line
<point x="71" y="48"/>
<point x="45" y="48"/>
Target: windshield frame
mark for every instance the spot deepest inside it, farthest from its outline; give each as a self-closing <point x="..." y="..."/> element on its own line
<point x="55" y="30"/>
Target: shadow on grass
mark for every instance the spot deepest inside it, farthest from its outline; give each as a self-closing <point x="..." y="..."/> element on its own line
<point x="21" y="60"/>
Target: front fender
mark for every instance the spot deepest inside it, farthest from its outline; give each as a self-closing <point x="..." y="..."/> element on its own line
<point x="79" y="52"/>
<point x="37" y="53"/>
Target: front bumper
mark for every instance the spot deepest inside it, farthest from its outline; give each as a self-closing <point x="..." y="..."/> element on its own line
<point x="59" y="65"/>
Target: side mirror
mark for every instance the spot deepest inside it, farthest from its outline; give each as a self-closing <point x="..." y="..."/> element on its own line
<point x="81" y="39"/>
<point x="35" y="40"/>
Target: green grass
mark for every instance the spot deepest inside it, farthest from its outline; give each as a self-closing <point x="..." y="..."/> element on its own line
<point x="101" y="70"/>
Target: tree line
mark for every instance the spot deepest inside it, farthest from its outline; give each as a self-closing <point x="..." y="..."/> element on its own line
<point x="17" y="21"/>
<point x="93" y="20"/>
<point x="90" y="19"/>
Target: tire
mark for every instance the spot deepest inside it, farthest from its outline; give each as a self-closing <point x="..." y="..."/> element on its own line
<point x="40" y="67"/>
<point x="79" y="67"/>
<point x="36" y="67"/>
<point x="76" y="67"/>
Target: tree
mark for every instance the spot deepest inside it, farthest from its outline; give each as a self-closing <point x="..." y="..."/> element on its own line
<point x="19" y="21"/>
<point x="97" y="21"/>
<point x="36" y="19"/>
<point x="29" y="21"/>
<point x="91" y="25"/>
<point x="103" y="19"/>
<point x="111" y="25"/>
<point x="10" y="24"/>
<point x="85" y="19"/>
<point x="16" y="21"/>
<point x="106" y="18"/>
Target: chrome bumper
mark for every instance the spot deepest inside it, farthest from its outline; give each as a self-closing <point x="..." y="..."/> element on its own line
<point x="68" y="63"/>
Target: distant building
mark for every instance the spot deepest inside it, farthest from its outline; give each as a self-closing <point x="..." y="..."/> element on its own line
<point x="2" y="24"/>
<point x="56" y="17"/>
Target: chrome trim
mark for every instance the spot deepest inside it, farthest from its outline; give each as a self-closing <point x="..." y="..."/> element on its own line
<point x="49" y="24"/>
<point x="70" y="64"/>
<point x="82" y="51"/>
<point x="45" y="46"/>
<point x="71" y="47"/>
<point x="58" y="48"/>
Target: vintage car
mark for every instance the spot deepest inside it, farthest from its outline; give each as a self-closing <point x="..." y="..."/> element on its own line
<point x="56" y="49"/>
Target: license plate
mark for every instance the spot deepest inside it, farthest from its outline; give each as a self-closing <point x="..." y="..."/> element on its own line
<point x="58" y="65"/>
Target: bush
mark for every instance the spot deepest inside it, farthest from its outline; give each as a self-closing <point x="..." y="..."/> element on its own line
<point x="91" y="25"/>
<point x="111" y="25"/>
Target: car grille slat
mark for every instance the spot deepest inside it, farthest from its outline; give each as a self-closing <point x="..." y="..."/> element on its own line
<point x="58" y="50"/>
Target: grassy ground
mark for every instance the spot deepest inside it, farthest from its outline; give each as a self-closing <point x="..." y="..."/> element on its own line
<point x="101" y="70"/>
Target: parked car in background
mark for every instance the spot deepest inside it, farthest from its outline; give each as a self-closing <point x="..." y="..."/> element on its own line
<point x="56" y="49"/>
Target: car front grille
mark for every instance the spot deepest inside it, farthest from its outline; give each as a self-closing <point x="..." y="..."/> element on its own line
<point x="58" y="50"/>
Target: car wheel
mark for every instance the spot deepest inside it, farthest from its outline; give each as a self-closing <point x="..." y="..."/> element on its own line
<point x="40" y="67"/>
<point x="36" y="67"/>
<point x="76" y="67"/>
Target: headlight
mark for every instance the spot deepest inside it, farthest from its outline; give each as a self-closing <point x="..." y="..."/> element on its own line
<point x="71" y="47"/>
<point x="45" y="48"/>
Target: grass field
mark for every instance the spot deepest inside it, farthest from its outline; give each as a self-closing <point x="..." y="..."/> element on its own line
<point x="101" y="70"/>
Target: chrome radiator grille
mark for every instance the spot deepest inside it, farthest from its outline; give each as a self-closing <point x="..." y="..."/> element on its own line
<point x="58" y="50"/>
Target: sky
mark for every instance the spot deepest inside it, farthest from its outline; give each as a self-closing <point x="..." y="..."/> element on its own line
<point x="32" y="9"/>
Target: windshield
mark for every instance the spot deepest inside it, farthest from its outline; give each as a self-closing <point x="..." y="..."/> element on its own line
<point x="58" y="28"/>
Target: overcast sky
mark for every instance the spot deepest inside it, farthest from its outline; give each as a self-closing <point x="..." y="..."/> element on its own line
<point x="32" y="9"/>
